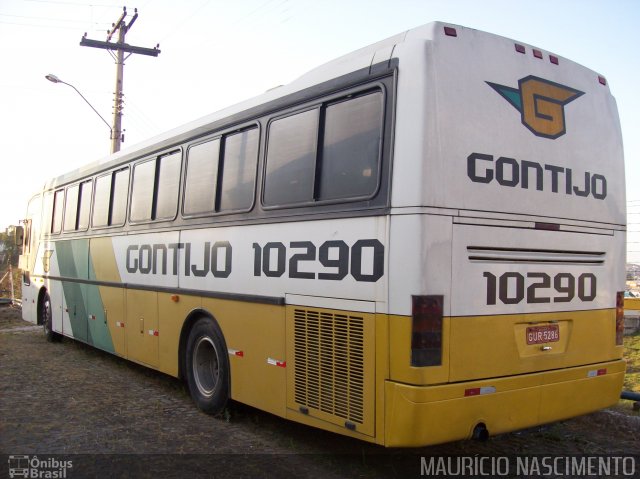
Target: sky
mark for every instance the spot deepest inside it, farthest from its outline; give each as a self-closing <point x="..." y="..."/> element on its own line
<point x="215" y="53"/>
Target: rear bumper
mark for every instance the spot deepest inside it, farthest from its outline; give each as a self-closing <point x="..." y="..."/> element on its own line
<point x="423" y="415"/>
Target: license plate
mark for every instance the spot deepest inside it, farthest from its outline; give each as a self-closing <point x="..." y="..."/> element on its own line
<point x="543" y="334"/>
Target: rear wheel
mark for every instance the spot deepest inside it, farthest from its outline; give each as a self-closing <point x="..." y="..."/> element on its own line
<point x="46" y="319"/>
<point x="207" y="367"/>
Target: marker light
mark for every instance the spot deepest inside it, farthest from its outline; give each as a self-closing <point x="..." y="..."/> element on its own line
<point x="554" y="59"/>
<point x="602" y="80"/>
<point x="426" y="331"/>
<point x="537" y="53"/>
<point x="520" y="48"/>
<point x="547" y="226"/>
<point x="619" y="317"/>
<point x="450" y="32"/>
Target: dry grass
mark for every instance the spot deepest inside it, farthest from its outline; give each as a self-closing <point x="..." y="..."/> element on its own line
<point x="632" y="356"/>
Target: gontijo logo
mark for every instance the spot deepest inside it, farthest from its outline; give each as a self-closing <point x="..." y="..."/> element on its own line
<point x="541" y="104"/>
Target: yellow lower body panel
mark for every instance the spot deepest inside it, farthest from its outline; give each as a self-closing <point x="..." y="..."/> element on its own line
<point x="424" y="415"/>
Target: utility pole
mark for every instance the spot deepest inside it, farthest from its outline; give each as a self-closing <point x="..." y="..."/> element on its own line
<point x="120" y="47"/>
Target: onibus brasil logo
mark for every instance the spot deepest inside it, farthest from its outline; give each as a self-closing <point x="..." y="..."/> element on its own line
<point x="540" y="103"/>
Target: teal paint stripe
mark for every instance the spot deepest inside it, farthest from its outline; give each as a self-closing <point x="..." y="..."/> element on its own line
<point x="83" y="299"/>
<point x="98" y="327"/>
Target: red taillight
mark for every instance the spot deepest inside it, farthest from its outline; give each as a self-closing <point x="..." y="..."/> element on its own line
<point x="619" y="317"/>
<point x="426" y="331"/>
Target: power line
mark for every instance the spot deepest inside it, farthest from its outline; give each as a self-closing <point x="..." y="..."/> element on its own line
<point x="39" y="26"/>
<point x="72" y="3"/>
<point x="185" y="20"/>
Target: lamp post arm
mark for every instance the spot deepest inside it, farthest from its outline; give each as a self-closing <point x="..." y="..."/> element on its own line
<point x="87" y="102"/>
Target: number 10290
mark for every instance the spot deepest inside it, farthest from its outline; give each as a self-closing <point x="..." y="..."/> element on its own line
<point x="533" y="288"/>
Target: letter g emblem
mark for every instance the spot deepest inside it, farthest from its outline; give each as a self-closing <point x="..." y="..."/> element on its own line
<point x="543" y="106"/>
<point x="540" y="103"/>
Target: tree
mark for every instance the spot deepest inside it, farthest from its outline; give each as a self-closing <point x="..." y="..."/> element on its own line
<point x="9" y="250"/>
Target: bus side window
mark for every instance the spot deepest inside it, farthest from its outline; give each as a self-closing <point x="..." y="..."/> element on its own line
<point x="142" y="193"/>
<point x="238" y="172"/>
<point x="291" y="156"/>
<point x="119" y="197"/>
<point x="84" y="205"/>
<point x="58" y="202"/>
<point x="71" y="208"/>
<point x="156" y="184"/>
<point x="345" y="167"/>
<point x="166" y="196"/>
<point x="101" y="202"/>
<point x="110" y="200"/>
<point x="202" y="178"/>
<point x="48" y="211"/>
<point x="222" y="178"/>
<point x="351" y="148"/>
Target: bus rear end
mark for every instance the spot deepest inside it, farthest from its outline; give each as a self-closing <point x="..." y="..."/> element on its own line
<point x="507" y="260"/>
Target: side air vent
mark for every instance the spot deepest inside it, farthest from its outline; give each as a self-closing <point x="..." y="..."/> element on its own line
<point x="329" y="372"/>
<point x="523" y="255"/>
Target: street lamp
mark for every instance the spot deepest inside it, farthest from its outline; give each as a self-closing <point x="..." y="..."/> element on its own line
<point x="54" y="79"/>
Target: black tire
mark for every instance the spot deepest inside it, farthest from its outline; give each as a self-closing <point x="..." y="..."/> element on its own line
<point x="207" y="366"/>
<point x="46" y="319"/>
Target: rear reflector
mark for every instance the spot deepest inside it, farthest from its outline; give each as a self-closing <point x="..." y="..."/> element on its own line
<point x="594" y="373"/>
<point x="426" y="331"/>
<point x="450" y="32"/>
<point x="479" y="391"/>
<point x="619" y="317"/>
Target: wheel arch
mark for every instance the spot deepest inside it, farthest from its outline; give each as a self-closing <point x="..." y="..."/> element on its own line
<point x="191" y="319"/>
<point x="41" y="293"/>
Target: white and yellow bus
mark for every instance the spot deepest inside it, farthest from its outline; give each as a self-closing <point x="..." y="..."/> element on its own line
<point x="419" y="242"/>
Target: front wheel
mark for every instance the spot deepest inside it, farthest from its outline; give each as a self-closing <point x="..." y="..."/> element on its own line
<point x="46" y="318"/>
<point x="207" y="367"/>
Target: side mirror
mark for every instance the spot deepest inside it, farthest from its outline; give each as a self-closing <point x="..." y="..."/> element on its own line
<point x="19" y="235"/>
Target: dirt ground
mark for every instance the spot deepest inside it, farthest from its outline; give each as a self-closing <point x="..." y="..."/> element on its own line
<point x="123" y="420"/>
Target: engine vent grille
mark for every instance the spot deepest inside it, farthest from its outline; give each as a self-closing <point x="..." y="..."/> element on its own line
<point x="329" y="363"/>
